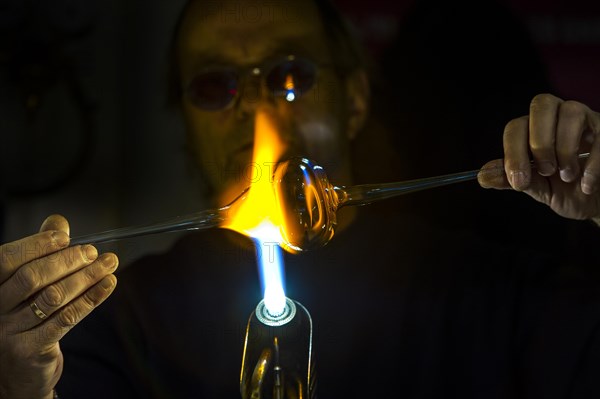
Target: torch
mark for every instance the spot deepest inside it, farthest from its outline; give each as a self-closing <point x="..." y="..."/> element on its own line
<point x="278" y="359"/>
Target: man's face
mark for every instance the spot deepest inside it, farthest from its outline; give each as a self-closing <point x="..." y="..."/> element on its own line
<point x="243" y="35"/>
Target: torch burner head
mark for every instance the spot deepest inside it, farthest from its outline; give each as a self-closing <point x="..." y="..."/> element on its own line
<point x="278" y="359"/>
<point x="266" y="317"/>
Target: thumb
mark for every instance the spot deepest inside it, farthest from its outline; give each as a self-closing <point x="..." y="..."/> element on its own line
<point x="55" y="222"/>
<point x="492" y="175"/>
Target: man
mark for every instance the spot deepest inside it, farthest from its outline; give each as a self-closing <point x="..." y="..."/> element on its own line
<point x="441" y="316"/>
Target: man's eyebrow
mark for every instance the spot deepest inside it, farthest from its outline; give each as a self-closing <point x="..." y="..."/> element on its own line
<point x="203" y="60"/>
<point x="293" y="46"/>
<point x="287" y="46"/>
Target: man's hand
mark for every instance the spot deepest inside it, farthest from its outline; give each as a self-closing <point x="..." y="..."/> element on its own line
<point x="46" y="287"/>
<point x="553" y="134"/>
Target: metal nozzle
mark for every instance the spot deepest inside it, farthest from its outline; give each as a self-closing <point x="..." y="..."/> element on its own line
<point x="278" y="361"/>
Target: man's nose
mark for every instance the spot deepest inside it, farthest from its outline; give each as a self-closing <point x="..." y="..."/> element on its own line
<point x="253" y="95"/>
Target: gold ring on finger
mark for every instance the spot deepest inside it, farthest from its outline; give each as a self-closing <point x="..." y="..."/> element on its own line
<point x="37" y="311"/>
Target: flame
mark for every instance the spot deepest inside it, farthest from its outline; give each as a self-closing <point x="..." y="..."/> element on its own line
<point x="259" y="216"/>
<point x="270" y="259"/>
<point x="290" y="88"/>
<point x="289" y="82"/>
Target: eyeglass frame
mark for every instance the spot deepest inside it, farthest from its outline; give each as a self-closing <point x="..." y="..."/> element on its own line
<point x="262" y="71"/>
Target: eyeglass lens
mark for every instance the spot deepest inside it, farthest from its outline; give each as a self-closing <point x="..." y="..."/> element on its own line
<point x="214" y="90"/>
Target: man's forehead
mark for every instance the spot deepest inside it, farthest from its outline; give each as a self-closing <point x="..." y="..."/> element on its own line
<point x="254" y="11"/>
<point x="250" y="31"/>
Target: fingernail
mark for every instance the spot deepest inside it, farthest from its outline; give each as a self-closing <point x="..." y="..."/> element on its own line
<point x="482" y="181"/>
<point x="107" y="282"/>
<point x="567" y="175"/>
<point x="517" y="179"/>
<point x="546" y="168"/>
<point x="60" y="238"/>
<point x="492" y="178"/>
<point x="90" y="252"/>
<point x="588" y="182"/>
<point x="108" y="261"/>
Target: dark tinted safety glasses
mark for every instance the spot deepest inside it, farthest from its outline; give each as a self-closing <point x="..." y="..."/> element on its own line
<point x="216" y="88"/>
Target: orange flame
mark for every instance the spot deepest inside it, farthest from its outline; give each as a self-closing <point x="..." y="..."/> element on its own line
<point x="289" y="82"/>
<point x="259" y="216"/>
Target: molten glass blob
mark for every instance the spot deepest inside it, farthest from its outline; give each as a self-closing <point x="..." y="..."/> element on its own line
<point x="308" y="203"/>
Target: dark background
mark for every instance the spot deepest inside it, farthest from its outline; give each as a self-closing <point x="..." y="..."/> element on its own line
<point x="86" y="132"/>
<point x="566" y="34"/>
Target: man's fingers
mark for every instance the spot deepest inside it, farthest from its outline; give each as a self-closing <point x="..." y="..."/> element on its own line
<point x="55" y="296"/>
<point x="542" y="132"/>
<point x="569" y="131"/>
<point x="57" y="325"/>
<point x="492" y="175"/>
<point x="590" y="181"/>
<point x="55" y="222"/>
<point x="17" y="253"/>
<point x="37" y="274"/>
<point x="516" y="153"/>
<point x="53" y="235"/>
